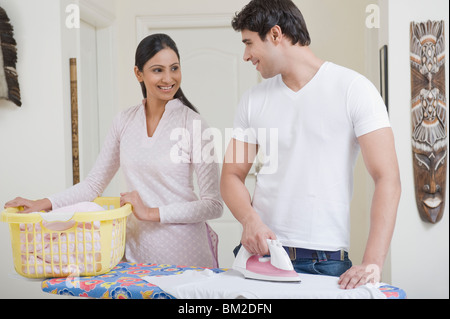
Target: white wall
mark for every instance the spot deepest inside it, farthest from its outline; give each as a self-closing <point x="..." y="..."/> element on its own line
<point x="419" y="251"/>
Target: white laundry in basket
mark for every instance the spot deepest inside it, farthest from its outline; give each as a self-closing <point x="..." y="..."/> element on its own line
<point x="59" y="250"/>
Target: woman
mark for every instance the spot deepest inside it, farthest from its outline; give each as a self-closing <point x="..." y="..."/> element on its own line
<point x="168" y="224"/>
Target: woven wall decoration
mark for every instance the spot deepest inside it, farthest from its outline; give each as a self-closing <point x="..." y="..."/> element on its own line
<point x="9" y="84"/>
<point x="429" y="118"/>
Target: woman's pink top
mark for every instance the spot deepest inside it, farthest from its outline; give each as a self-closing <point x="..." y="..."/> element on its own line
<point x="160" y="168"/>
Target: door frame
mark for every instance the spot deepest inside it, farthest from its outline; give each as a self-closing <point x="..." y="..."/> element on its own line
<point x="96" y="16"/>
<point x="107" y="48"/>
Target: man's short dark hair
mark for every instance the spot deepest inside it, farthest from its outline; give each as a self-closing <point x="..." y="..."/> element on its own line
<point x="262" y="15"/>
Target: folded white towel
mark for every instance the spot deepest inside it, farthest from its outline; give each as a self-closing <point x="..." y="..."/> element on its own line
<point x="232" y="285"/>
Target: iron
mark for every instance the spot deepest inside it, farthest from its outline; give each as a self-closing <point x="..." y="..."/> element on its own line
<point x="277" y="267"/>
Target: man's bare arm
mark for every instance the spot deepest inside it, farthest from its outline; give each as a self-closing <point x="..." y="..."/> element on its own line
<point x="238" y="162"/>
<point x="378" y="150"/>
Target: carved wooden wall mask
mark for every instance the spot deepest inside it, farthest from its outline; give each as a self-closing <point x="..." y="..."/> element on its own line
<point x="429" y="118"/>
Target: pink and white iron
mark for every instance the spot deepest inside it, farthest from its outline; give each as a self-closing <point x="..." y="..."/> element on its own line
<point x="277" y="267"/>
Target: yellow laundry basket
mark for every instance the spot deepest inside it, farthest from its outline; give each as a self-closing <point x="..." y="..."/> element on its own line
<point x="84" y="244"/>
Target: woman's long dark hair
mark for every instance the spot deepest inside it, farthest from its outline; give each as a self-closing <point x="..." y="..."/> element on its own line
<point x="148" y="48"/>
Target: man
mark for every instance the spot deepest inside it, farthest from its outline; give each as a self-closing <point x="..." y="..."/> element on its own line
<point x="324" y="115"/>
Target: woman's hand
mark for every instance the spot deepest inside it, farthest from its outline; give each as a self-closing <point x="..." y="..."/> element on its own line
<point x="141" y="211"/>
<point x="30" y="206"/>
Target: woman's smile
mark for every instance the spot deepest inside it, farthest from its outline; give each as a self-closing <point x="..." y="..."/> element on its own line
<point x="166" y="89"/>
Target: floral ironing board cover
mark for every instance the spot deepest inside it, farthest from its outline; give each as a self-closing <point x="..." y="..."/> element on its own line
<point x="125" y="281"/>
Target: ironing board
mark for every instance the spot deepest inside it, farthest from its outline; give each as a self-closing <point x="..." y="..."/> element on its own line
<point x="125" y="282"/>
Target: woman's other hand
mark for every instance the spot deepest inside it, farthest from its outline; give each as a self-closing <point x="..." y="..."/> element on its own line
<point x="141" y="211"/>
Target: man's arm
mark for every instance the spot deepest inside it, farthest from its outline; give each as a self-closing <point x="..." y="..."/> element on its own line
<point x="378" y="151"/>
<point x="238" y="161"/>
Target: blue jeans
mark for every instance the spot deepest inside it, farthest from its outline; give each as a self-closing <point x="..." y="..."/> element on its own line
<point x="321" y="265"/>
<point x="317" y="266"/>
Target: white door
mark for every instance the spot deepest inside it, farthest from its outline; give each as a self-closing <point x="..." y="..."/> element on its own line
<point x="214" y="78"/>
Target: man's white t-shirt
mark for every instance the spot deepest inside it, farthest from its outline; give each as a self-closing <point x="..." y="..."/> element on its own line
<point x="309" y="139"/>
